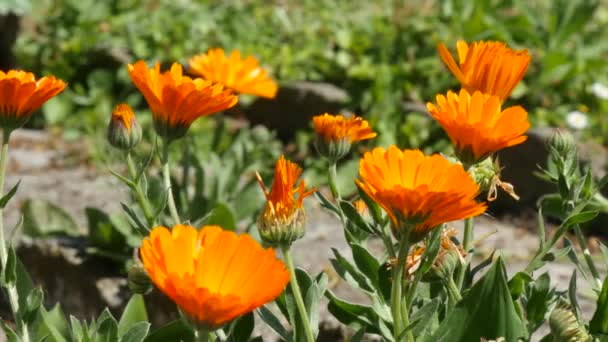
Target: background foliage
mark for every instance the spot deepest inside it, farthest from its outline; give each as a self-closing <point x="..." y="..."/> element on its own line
<point x="382" y="52"/>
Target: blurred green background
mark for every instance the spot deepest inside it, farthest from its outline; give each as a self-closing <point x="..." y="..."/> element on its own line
<point x="383" y="53"/>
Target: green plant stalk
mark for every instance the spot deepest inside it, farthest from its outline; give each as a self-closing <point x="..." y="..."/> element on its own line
<point x="466" y="245"/>
<point x="139" y="194"/>
<point x="201" y="335"/>
<point x="333" y="177"/>
<point x="587" y="255"/>
<point x="167" y="181"/>
<point x="297" y="294"/>
<point x="400" y="316"/>
<point x="453" y="292"/>
<point x="13" y="295"/>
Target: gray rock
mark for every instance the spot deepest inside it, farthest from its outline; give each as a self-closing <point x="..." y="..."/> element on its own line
<point x="295" y="105"/>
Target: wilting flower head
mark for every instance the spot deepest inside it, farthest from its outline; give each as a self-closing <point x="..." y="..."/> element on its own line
<point x="21" y="94"/>
<point x="213" y="275"/>
<point x="244" y="76"/>
<point x="177" y="100"/>
<point x="124" y="132"/>
<point x="449" y="256"/>
<point x="335" y="134"/>
<point x="490" y="67"/>
<point x="477" y="125"/>
<point x="418" y="192"/>
<point x="283" y="218"/>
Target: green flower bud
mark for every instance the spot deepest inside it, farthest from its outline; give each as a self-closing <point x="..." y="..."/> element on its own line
<point x="279" y="230"/>
<point x="138" y="280"/>
<point x="333" y="150"/>
<point x="124" y="132"/>
<point x="563" y="142"/>
<point x="483" y="173"/>
<point x="564" y="325"/>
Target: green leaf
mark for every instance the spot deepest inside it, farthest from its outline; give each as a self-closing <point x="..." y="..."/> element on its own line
<point x="136" y="333"/>
<point x="312" y="299"/>
<point x="107" y="328"/>
<point x="372" y="206"/>
<point x="43" y="218"/>
<point x="139" y="225"/>
<point x="350" y="313"/>
<point x="518" y="284"/>
<point x="33" y="302"/>
<point x="9" y="273"/>
<point x="540" y="295"/>
<point x="350" y="273"/>
<point x="325" y="203"/>
<point x="102" y="232"/>
<point x="486" y="311"/>
<point x="134" y="312"/>
<point x="572" y="295"/>
<point x="274" y="323"/>
<point x="351" y="213"/>
<point x="424" y="316"/>
<point x="4" y="200"/>
<point x="78" y="333"/>
<point x="177" y="330"/>
<point x="54" y="324"/>
<point x="358" y="336"/>
<point x="599" y="322"/>
<point x="366" y="263"/>
<point x="579" y="218"/>
<point x="242" y="328"/>
<point x="24" y="283"/>
<point x="221" y="215"/>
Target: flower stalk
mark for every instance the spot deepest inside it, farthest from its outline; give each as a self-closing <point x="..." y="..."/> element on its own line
<point x="467" y="240"/>
<point x="588" y="259"/>
<point x="167" y="182"/>
<point x="400" y="316"/>
<point x="297" y="294"/>
<point x="11" y="288"/>
<point x="139" y="194"/>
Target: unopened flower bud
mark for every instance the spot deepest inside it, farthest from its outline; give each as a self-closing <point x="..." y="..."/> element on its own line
<point x="138" y="280"/>
<point x="332" y="150"/>
<point x="444" y="266"/>
<point x="335" y="134"/>
<point x="483" y="173"/>
<point x="124" y="132"/>
<point x="276" y="229"/>
<point x="564" y="325"/>
<point x="562" y="142"/>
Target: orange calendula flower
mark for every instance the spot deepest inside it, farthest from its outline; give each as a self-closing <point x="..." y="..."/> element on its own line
<point x="418" y="192"/>
<point x="177" y="100"/>
<point x="124" y="132"/>
<point x="477" y="125"/>
<point x="283" y="218"/>
<point x="244" y="76"/>
<point x="213" y="275"/>
<point x="21" y="94"/>
<point x="490" y="67"/>
<point x="335" y="134"/>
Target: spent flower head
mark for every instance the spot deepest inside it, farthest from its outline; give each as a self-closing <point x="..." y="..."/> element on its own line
<point x="244" y="76"/>
<point x="21" y="94"/>
<point x="490" y="67"/>
<point x="477" y="125"/>
<point x="213" y="275"/>
<point x="418" y="192"/>
<point x="336" y="133"/>
<point x="283" y="219"/>
<point x="177" y="100"/>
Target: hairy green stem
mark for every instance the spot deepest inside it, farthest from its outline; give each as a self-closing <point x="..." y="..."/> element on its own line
<point x="466" y="245"/>
<point x="142" y="199"/>
<point x="587" y="255"/>
<point x="297" y="294"/>
<point x="201" y="335"/>
<point x="400" y="316"/>
<point x="333" y="178"/>
<point x="167" y="181"/>
<point x="453" y="292"/>
<point x="13" y="295"/>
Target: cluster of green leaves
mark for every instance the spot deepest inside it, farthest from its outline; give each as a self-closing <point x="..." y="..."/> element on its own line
<point x="382" y="53"/>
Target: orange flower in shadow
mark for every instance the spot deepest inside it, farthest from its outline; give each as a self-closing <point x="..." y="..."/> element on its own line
<point x="490" y="67"/>
<point x="21" y="94"/>
<point x="177" y="100"/>
<point x="283" y="218"/>
<point x="335" y="134"/>
<point x="244" y="76"/>
<point x="477" y="125"/>
<point x="418" y="192"/>
<point x="213" y="275"/>
<point x="337" y="127"/>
